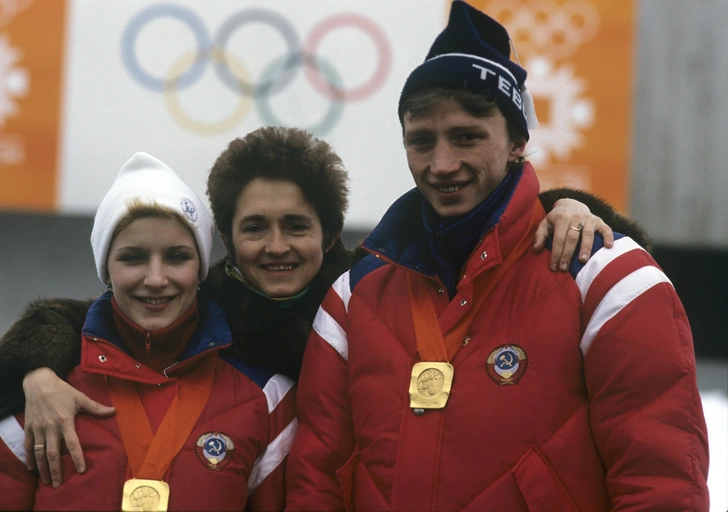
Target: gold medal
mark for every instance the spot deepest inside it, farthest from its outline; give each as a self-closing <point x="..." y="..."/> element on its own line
<point x="145" y="495"/>
<point x="430" y="385"/>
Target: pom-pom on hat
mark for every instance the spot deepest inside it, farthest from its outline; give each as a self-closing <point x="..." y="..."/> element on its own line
<point x="473" y="53"/>
<point x="150" y="181"/>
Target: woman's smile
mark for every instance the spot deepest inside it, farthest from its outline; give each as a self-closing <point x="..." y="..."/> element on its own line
<point x="153" y="268"/>
<point x="277" y="238"/>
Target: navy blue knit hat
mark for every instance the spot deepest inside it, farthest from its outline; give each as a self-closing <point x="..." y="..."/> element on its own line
<point x="473" y="53"/>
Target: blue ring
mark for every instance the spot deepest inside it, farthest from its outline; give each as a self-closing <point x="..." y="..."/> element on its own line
<point x="335" y="110"/>
<point x="271" y="84"/>
<point x="128" y="51"/>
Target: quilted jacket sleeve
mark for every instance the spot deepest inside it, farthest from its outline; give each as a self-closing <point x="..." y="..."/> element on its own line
<point x="639" y="367"/>
<point x="325" y="440"/>
<point x="267" y="482"/>
<point x="48" y="334"/>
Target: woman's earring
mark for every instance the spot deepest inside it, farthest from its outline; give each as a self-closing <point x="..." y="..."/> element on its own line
<point x="109" y="287"/>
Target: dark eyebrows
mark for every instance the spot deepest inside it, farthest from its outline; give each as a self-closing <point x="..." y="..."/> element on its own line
<point x="289" y="217"/>
<point x="182" y="248"/>
<point x="468" y="128"/>
<point x="465" y="127"/>
<point x="252" y="218"/>
<point x="417" y="132"/>
<point x="293" y="217"/>
<point x="130" y="248"/>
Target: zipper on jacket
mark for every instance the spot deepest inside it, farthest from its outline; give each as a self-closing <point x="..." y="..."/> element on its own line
<point x="148" y="344"/>
<point x="164" y="372"/>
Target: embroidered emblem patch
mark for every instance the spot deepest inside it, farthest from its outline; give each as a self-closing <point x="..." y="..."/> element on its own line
<point x="214" y="449"/>
<point x="188" y="209"/>
<point x="506" y="364"/>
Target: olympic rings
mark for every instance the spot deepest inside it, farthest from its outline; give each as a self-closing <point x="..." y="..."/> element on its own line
<point x="380" y="40"/>
<point x="135" y="26"/>
<point x="335" y="110"/>
<point x="276" y="21"/>
<point x="200" y="127"/>
<point x="188" y="69"/>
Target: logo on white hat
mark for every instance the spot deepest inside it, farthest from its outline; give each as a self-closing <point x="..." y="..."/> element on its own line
<point x="188" y="208"/>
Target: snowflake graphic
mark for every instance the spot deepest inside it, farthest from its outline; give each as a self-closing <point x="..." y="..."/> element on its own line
<point x="568" y="112"/>
<point x="14" y="81"/>
<point x="555" y="28"/>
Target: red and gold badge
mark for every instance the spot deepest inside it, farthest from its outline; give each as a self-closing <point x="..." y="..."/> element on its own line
<point x="506" y="364"/>
<point x="214" y="449"/>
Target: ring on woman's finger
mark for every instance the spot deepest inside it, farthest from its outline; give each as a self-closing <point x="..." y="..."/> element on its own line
<point x="578" y="228"/>
<point x="38" y="447"/>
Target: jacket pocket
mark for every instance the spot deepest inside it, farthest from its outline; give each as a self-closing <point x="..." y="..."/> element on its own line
<point x="345" y="475"/>
<point x="541" y="488"/>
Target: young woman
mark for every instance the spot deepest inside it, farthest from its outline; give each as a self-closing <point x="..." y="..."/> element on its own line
<point x="193" y="430"/>
<point x="278" y="196"/>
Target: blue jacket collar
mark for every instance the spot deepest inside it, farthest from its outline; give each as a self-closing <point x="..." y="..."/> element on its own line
<point x="212" y="332"/>
<point x="412" y="235"/>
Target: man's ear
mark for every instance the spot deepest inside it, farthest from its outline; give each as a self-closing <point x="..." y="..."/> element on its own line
<point x="517" y="150"/>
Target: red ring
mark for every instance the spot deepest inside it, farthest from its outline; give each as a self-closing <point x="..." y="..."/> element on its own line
<point x="367" y="26"/>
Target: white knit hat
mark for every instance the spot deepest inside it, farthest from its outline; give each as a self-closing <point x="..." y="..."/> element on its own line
<point x="151" y="181"/>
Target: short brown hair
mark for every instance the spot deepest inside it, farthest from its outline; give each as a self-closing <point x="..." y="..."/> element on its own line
<point x="278" y="153"/>
<point x="476" y="104"/>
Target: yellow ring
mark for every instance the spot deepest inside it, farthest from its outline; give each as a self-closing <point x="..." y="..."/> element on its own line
<point x="203" y="127"/>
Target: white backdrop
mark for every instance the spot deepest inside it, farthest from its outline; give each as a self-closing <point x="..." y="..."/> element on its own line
<point x="110" y="112"/>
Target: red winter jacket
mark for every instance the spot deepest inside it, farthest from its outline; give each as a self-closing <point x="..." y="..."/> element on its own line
<point x="597" y="409"/>
<point x="250" y="413"/>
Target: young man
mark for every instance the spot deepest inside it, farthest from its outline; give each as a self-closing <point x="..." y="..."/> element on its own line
<point x="451" y="370"/>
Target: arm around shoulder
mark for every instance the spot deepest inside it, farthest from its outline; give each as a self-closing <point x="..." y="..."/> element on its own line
<point x="599" y="207"/>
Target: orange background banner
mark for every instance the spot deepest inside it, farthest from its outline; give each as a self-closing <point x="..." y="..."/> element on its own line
<point x="579" y="55"/>
<point x="31" y="60"/>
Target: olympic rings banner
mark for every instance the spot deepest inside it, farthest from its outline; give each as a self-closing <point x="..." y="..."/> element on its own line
<point x="86" y="83"/>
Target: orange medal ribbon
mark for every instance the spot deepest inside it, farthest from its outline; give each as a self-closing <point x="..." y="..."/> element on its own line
<point x="431" y="344"/>
<point x="151" y="455"/>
